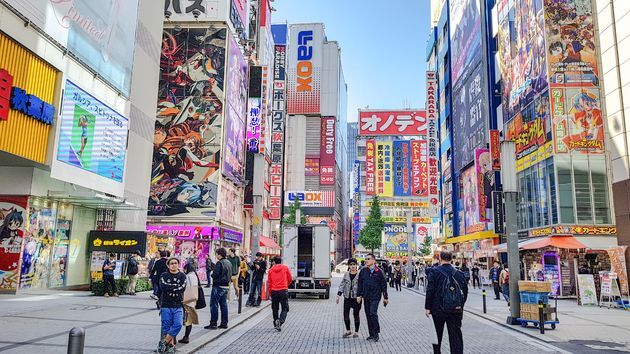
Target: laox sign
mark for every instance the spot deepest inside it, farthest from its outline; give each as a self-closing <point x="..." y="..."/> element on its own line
<point x="305" y="196"/>
<point x="304" y="65"/>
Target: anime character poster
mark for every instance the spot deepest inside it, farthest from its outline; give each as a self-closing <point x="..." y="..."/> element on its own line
<point x="577" y="120"/>
<point x="396" y="238"/>
<point x="485" y="183"/>
<point x="12" y="224"/>
<point x="187" y="140"/>
<point x="531" y="128"/>
<point x="522" y="58"/>
<point x="465" y="32"/>
<point x="571" y="46"/>
<point x="470" y="197"/>
<point x="60" y="253"/>
<point x="38" y="243"/>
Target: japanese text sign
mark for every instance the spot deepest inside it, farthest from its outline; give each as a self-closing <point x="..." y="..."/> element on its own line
<point x="392" y="122"/>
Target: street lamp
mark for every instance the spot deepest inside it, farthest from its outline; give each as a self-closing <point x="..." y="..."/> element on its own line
<point x="510" y="197"/>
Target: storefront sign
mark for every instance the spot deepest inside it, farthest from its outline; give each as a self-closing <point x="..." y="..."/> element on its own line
<point x="254" y="123"/>
<point x="16" y="98"/>
<point x="118" y="241"/>
<point x="370" y="167"/>
<point x="327" y="151"/>
<point x="311" y="166"/>
<point x="317" y="199"/>
<point x="276" y="170"/>
<point x="186" y="232"/>
<point x="402" y="205"/>
<point x="495" y="149"/>
<point x="574" y="230"/>
<point x="618" y="265"/>
<point x="432" y="138"/>
<point x="384" y="176"/>
<point x="419" y="168"/>
<point x="372" y="123"/>
<point x="403" y="219"/>
<point x="231" y="236"/>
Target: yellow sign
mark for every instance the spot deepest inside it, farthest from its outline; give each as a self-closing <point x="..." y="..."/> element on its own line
<point x="98" y="242"/>
<point x="403" y="219"/>
<point x="401" y="204"/>
<point x="541" y="154"/>
<point x="384" y="169"/>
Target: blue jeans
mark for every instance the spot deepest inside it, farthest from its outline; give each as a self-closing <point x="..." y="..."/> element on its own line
<point x="255" y="293"/>
<point x="155" y="284"/>
<point x="218" y="297"/>
<point x="505" y="289"/>
<point x="172" y="320"/>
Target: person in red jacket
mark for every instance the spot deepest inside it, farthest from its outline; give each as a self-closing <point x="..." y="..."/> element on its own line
<point x="278" y="279"/>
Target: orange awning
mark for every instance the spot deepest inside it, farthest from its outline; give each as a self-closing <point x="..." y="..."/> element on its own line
<point x="568" y="242"/>
<point x="268" y="242"/>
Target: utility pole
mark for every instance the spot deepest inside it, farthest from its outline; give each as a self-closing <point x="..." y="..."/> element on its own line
<point x="510" y="197"/>
<point x="409" y="240"/>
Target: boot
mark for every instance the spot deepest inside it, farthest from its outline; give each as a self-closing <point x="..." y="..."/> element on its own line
<point x="186" y="334"/>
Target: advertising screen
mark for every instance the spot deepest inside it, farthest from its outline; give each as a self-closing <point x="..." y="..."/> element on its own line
<point x="187" y="140"/>
<point x="470" y="113"/>
<point x="92" y="138"/>
<point x="100" y="33"/>
<point x="521" y="56"/>
<point x="304" y="68"/>
<point x="378" y="122"/>
<point x="465" y="32"/>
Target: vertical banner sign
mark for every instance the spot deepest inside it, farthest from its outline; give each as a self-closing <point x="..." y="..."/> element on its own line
<point x="419" y="170"/>
<point x="497" y="209"/>
<point x="370" y="168"/>
<point x="253" y="124"/>
<point x="432" y="139"/>
<point x="384" y="176"/>
<point x="495" y="149"/>
<point x="276" y="171"/>
<point x="357" y="203"/>
<point x="304" y="68"/>
<point x="402" y="162"/>
<point x="327" y="152"/>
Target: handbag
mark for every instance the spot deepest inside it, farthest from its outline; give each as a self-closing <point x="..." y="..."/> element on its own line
<point x="201" y="297"/>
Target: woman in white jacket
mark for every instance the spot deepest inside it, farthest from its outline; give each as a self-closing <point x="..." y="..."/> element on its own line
<point x="348" y="288"/>
<point x="190" y="299"/>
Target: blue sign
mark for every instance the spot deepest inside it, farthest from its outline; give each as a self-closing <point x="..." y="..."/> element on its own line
<point x="402" y="168"/>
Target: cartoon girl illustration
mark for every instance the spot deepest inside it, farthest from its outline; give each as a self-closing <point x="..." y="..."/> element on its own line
<point x="587" y="124"/>
<point x="10" y="233"/>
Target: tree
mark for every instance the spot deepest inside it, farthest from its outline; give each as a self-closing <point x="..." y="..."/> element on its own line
<point x="425" y="249"/>
<point x="290" y="218"/>
<point x="370" y="235"/>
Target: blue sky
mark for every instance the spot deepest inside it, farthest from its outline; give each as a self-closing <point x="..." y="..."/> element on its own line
<point x="382" y="46"/>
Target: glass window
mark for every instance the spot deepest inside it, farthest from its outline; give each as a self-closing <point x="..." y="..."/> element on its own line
<point x="543" y="194"/>
<point x="522" y="222"/>
<point x="565" y="189"/>
<point x="583" y="202"/>
<point x="535" y="198"/>
<point x="552" y="191"/>
<point x="600" y="192"/>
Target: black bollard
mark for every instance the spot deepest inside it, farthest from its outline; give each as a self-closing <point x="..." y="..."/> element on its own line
<point x="76" y="340"/>
<point x="541" y="316"/>
<point x="240" y="299"/>
<point x="483" y="296"/>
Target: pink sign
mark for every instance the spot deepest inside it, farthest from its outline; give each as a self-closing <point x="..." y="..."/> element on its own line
<point x="182" y="232"/>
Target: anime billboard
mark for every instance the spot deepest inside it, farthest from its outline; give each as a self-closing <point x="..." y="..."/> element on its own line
<point x="187" y="140"/>
<point x="485" y="183"/>
<point x="531" y="128"/>
<point x="465" y="28"/>
<point x="577" y="120"/>
<point x="522" y="58"/>
<point x="469" y="199"/>
<point x="12" y="222"/>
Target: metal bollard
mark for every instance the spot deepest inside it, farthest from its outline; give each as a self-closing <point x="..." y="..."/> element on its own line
<point x="240" y="299"/>
<point x="483" y="296"/>
<point x="76" y="340"/>
<point x="541" y="316"/>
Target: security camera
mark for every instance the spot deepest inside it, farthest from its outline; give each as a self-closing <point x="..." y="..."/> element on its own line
<point x="167" y="14"/>
<point x="196" y="13"/>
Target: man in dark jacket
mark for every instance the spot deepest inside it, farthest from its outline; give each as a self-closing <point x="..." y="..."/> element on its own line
<point x="108" y="276"/>
<point x="259" y="267"/>
<point x="372" y="285"/>
<point x="209" y="269"/>
<point x="221" y="278"/>
<point x="132" y="272"/>
<point x="434" y="304"/>
<point x="494" y="277"/>
<point x="159" y="267"/>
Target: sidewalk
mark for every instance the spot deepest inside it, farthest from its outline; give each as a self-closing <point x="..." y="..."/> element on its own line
<point x="602" y="326"/>
<point x="128" y="324"/>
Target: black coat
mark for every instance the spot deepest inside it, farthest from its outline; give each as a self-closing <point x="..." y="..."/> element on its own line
<point x="159" y="267"/>
<point x="372" y="284"/>
<point x="222" y="274"/>
<point x="436" y="285"/>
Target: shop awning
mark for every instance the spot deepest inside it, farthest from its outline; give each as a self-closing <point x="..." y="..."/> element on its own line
<point x="598" y="243"/>
<point x="268" y="242"/>
<point x="567" y="242"/>
<point x="521" y="243"/>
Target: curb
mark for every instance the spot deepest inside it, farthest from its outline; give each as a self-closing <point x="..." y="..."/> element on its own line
<point x="505" y="325"/>
<point x="201" y="342"/>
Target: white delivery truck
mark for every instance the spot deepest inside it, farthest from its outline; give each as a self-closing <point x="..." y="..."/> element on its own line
<point x="306" y="251"/>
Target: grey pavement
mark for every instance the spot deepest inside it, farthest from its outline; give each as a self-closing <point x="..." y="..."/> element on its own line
<point x="40" y="321"/>
<point x="316" y="326"/>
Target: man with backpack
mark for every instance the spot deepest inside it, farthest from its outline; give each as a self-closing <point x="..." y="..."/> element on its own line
<point x="446" y="295"/>
<point x="132" y="272"/>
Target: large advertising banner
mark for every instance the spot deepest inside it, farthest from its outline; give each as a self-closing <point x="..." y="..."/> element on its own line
<point x="276" y="170"/>
<point x="402" y="168"/>
<point x="304" y="68"/>
<point x="234" y="153"/>
<point x="12" y="223"/>
<point x="402" y="122"/>
<point x="522" y="59"/>
<point x="254" y="123"/>
<point x="93" y="138"/>
<point x="470" y="114"/>
<point x="370" y="167"/>
<point x="187" y="140"/>
<point x="485" y="183"/>
<point x="396" y="236"/>
<point x="465" y="32"/>
<point x="327" y="151"/>
<point x="238" y="16"/>
<point x="470" y="196"/>
<point x="100" y="33"/>
<point x="384" y="175"/>
<point x="531" y="128"/>
<point x="419" y="168"/>
<point x="577" y="120"/>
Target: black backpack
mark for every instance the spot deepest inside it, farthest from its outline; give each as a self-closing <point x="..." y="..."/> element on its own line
<point x="452" y="294"/>
<point x="132" y="266"/>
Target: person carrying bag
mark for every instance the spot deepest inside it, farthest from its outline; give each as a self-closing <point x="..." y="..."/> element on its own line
<point x="191" y="298"/>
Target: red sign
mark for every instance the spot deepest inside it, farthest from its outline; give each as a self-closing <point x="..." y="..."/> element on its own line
<point x="311" y="166"/>
<point x="327" y="152"/>
<point x="392" y="122"/>
<point x="419" y="168"/>
<point x="495" y="150"/>
<point x="370" y="167"/>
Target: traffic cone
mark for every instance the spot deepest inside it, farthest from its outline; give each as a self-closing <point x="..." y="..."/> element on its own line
<point x="263" y="294"/>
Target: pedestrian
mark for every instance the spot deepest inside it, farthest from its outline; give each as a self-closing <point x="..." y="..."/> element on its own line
<point x="191" y="295"/>
<point x="466" y="271"/>
<point x="259" y="267"/>
<point x="209" y="269"/>
<point x="494" y="275"/>
<point x="221" y="278"/>
<point x="504" y="283"/>
<point x="349" y="288"/>
<point x="243" y="275"/>
<point x="132" y="272"/>
<point x="159" y="267"/>
<point x="414" y="273"/>
<point x="445" y="298"/>
<point x="235" y="261"/>
<point x="154" y="280"/>
<point x="391" y="274"/>
<point x="172" y="287"/>
<point x="109" y="283"/>
<point x="422" y="274"/>
<point x="279" y="279"/>
<point x="332" y="265"/>
<point x="475" y="276"/>
<point x="372" y="285"/>
<point x="362" y="265"/>
<point x="397" y="276"/>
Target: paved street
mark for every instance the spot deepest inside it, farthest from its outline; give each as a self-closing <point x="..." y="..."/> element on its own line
<point x="316" y="326"/>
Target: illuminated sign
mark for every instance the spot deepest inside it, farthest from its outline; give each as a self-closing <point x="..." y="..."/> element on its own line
<point x="118" y="241"/>
<point x="18" y="99"/>
<point x="574" y="230"/>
